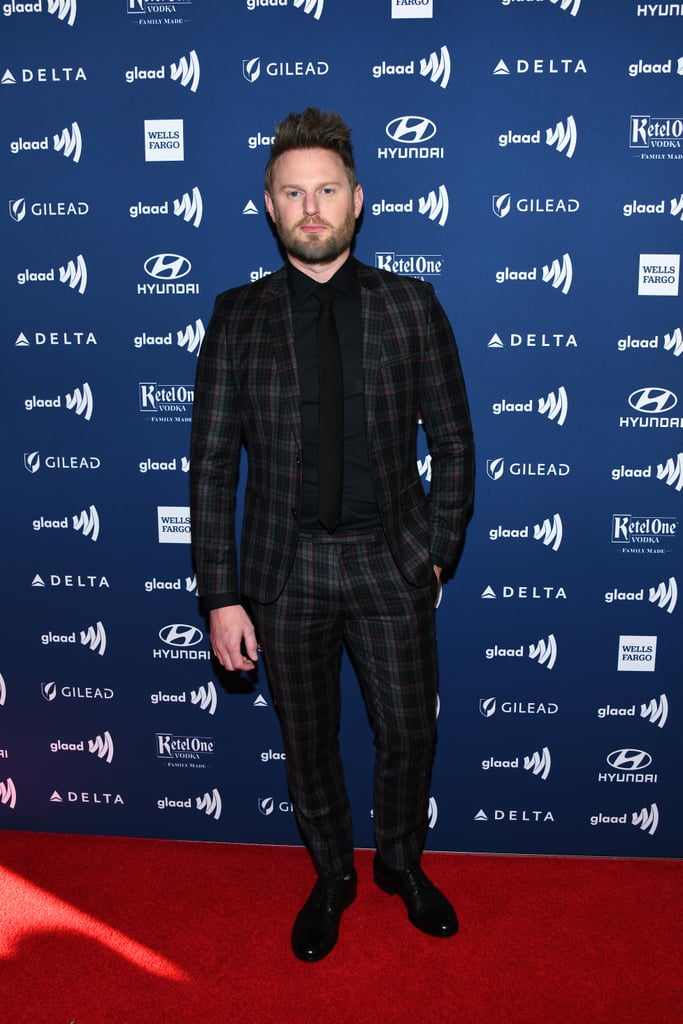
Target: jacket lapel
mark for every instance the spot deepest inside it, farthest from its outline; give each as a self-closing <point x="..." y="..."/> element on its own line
<point x="280" y="331"/>
<point x="373" y="315"/>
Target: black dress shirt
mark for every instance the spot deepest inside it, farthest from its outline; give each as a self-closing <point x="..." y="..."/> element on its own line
<point x="359" y="508"/>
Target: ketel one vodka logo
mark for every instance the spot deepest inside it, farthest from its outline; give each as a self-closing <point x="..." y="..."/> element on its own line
<point x="101" y="746"/>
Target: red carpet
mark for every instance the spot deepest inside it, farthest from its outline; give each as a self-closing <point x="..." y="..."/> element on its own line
<point x="131" y="931"/>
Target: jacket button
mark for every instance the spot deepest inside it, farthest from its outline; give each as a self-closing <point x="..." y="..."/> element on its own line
<point x="295" y="513"/>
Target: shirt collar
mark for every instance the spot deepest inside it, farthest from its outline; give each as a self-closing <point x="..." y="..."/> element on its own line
<point x="303" y="286"/>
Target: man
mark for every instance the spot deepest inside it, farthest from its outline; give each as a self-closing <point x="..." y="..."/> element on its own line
<point x="367" y="579"/>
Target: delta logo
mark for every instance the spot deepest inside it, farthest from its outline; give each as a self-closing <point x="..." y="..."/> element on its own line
<point x="541" y="66"/>
<point x="186" y="71"/>
<point x="44" y="76"/>
<point x="535" y="339"/>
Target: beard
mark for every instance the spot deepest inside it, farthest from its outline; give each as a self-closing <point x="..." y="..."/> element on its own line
<point x="317" y="249"/>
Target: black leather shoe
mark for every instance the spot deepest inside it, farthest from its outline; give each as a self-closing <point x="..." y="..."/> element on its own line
<point x="316" y="928"/>
<point x="428" y="909"/>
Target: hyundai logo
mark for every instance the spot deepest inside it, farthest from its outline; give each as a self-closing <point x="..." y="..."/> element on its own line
<point x="411" y="129"/>
<point x="181" y="635"/>
<point x="167" y="266"/>
<point x="629" y="760"/>
<point x="654" y="400"/>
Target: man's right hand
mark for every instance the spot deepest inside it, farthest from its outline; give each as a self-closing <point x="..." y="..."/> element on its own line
<point x="229" y="626"/>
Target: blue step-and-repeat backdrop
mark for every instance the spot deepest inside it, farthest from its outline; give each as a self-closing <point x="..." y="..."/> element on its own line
<point x="526" y="158"/>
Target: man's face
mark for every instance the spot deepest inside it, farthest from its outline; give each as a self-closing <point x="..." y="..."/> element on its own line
<point x="313" y="206"/>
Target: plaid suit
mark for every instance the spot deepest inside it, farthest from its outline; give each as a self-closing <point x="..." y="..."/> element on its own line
<point x="247" y="394"/>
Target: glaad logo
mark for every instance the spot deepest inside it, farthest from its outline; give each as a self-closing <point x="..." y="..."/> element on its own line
<point x="65" y="10"/>
<point x="436" y="67"/>
<point x="68" y="142"/>
<point x="189" y="338"/>
<point x="101" y="746"/>
<point x="559" y="275"/>
<point x="563" y="137"/>
<point x="204" y="697"/>
<point x="3" y="691"/>
<point x="656" y="711"/>
<point x="73" y="274"/>
<point x="210" y="803"/>
<point x="538" y="763"/>
<point x="672" y="342"/>
<point x="657" y="207"/>
<point x="555" y="406"/>
<point x="549" y="532"/>
<point x="570" y="6"/>
<point x="314" y="7"/>
<point x="189" y="207"/>
<point x="664" y="595"/>
<point x="8" y="794"/>
<point x="79" y="401"/>
<point x="94" y="638"/>
<point x="665" y="67"/>
<point x="646" y="819"/>
<point x="671" y="472"/>
<point x="86" y="522"/>
<point x="186" y="71"/>
<point x="434" y="205"/>
<point x="544" y="652"/>
<point x="251" y="69"/>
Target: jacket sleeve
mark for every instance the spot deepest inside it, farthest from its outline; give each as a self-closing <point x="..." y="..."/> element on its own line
<point x="446" y="419"/>
<point x="214" y="464"/>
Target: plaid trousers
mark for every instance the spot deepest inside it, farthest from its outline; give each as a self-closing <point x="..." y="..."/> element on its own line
<point x="345" y="590"/>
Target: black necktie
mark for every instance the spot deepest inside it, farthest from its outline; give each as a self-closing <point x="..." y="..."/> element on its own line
<point x="331" y="416"/>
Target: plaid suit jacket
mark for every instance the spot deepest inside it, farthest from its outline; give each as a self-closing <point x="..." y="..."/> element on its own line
<point x="247" y="395"/>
